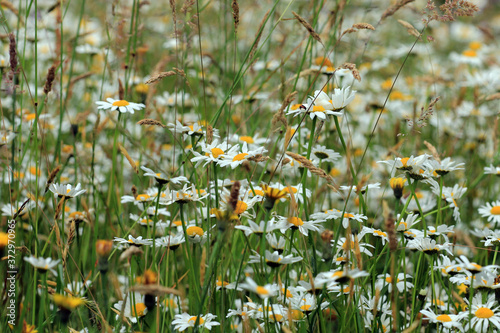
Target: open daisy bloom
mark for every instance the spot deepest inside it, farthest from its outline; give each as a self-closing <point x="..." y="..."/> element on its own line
<point x="43" y="264"/>
<point x="184" y="321"/>
<point x="121" y="105"/>
<point x="66" y="191"/>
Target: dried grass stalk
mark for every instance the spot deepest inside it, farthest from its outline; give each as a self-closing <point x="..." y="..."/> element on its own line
<point x="353" y="69"/>
<point x="50" y="79"/>
<point x="12" y="53"/>
<point x="394" y="8"/>
<point x="128" y="253"/>
<point x="363" y="26"/>
<point x="234" y="195"/>
<point x="410" y="28"/>
<point x="210" y="134"/>
<point x="21" y="208"/>
<point x="129" y="159"/>
<point x="309" y="166"/>
<point x="159" y="76"/>
<point x="433" y="150"/>
<point x="390" y="227"/>
<point x="9" y="6"/>
<point x="493" y="97"/>
<point x="154" y="289"/>
<point x="151" y="122"/>
<point x="121" y="90"/>
<point x="236" y="14"/>
<point x="51" y="177"/>
<point x="309" y="28"/>
<point x="258" y="36"/>
<point x="258" y="158"/>
<point x="279" y="117"/>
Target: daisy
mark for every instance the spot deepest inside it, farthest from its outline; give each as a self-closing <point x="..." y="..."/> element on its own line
<point x="342" y="97"/>
<point x="66" y="191"/>
<point x="269" y="290"/>
<point x="133" y="309"/>
<point x="43" y="264"/>
<point x="171" y="241"/>
<point x="401" y="282"/>
<point x="296" y="223"/>
<point x="6" y="137"/>
<point x="11" y="210"/>
<point x="213" y="152"/>
<point x="348" y="216"/>
<point x="276" y="244"/>
<point x="324" y="154"/>
<point x="473" y="268"/>
<point x="133" y="241"/>
<point x="445" y="166"/>
<point x="120" y="105"/>
<point x="234" y="157"/>
<point x="448" y="321"/>
<point x="184" y="321"/>
<point x="258" y="229"/>
<point x="162" y="178"/>
<point x="483" y="314"/>
<point x="273" y="259"/>
<point x="428" y="246"/>
<point x="406" y="163"/>
<point x="195" y="234"/>
<point x="375" y="232"/>
<point x="405" y="224"/>
<point x="339" y="276"/>
<point x="492" y="170"/>
<point x="491" y="211"/>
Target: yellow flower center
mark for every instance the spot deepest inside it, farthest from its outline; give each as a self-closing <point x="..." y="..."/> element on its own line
<point x="404" y="160"/>
<point x="261" y="290"/>
<point x="305" y="307"/>
<point x="495" y="210"/>
<point x="469" y="53"/>
<point x="138" y="310"/>
<point x="216" y="152"/>
<point x="318" y="108"/>
<point x="484" y="313"/>
<point x="247" y="139"/>
<point x="379" y="233"/>
<point x="443" y="318"/>
<point x="275" y="317"/>
<point x="193" y="320"/>
<point x="121" y="103"/>
<point x="296" y="221"/>
<point x="239" y="157"/>
<point x="194" y="230"/>
<point x="30" y="116"/>
<point x="142" y="197"/>
<point x="475" y="45"/>
<point x="241" y="207"/>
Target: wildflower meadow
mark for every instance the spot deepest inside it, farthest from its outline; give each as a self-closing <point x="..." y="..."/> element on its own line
<point x="249" y="166"/>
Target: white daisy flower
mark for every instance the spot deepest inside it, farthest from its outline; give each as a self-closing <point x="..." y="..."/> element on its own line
<point x="43" y="264"/>
<point x="491" y="211"/>
<point x="266" y="291"/>
<point x="492" y="170"/>
<point x="134" y="307"/>
<point x="184" y="321"/>
<point x="120" y="105"/>
<point x="66" y="191"/>
<point x="483" y="314"/>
